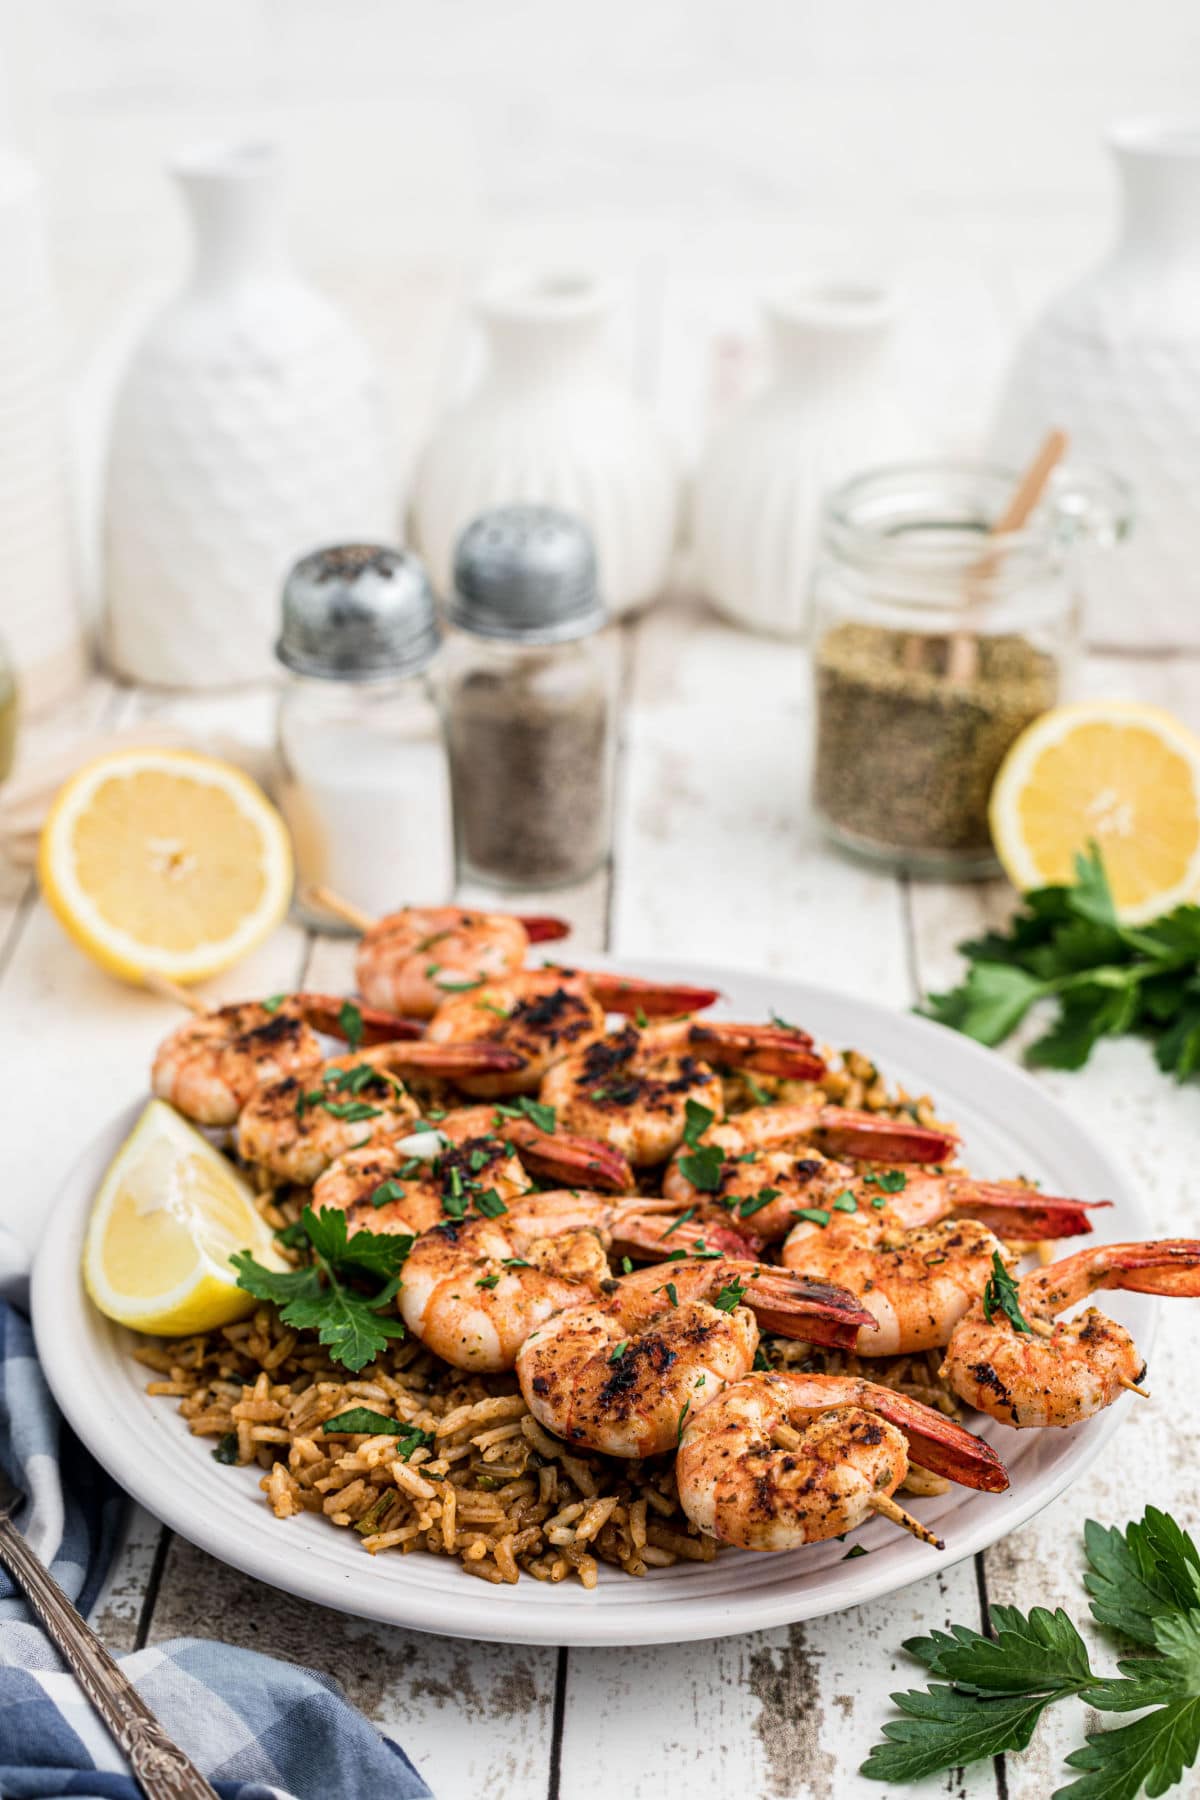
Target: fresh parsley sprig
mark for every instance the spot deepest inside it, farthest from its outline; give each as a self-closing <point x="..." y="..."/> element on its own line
<point x="1145" y="1583"/>
<point x="352" y="1324"/>
<point x="1067" y="945"/>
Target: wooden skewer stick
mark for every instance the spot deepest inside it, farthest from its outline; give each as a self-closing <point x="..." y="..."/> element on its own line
<point x="171" y="990"/>
<point x="963" y="656"/>
<point x="884" y="1504"/>
<point x="341" y="909"/>
<point x="1133" y="1387"/>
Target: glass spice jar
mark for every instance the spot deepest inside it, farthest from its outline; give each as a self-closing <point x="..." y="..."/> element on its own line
<point x="529" y="694"/>
<point x="936" y="642"/>
<point x="364" y="784"/>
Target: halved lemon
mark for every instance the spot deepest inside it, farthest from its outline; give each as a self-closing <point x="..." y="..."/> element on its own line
<point x="1116" y="771"/>
<point x="170" y="1213"/>
<point x="165" y="862"/>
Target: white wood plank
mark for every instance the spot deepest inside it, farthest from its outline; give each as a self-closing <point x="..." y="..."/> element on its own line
<point x="1149" y="1122"/>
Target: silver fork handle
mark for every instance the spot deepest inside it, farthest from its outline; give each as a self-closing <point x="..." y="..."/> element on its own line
<point x="162" y="1770"/>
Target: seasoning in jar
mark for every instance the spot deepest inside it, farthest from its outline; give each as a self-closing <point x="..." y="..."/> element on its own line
<point x="529" y="701"/>
<point x="940" y="632"/>
<point x="906" y="755"/>
<point x="365" y="787"/>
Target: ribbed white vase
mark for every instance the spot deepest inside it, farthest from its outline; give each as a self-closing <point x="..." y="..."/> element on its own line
<point x="249" y="429"/>
<point x="39" y="610"/>
<point x="824" y="413"/>
<point x="551" y="422"/>
<point x="1115" y="361"/>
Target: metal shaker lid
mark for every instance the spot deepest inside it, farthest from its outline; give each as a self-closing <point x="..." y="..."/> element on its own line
<point x="358" y="612"/>
<point x="526" y="573"/>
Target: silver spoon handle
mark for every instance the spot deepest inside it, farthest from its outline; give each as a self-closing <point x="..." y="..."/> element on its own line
<point x="162" y="1770"/>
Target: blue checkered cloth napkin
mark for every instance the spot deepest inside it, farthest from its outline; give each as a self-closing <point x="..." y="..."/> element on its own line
<point x="256" y="1727"/>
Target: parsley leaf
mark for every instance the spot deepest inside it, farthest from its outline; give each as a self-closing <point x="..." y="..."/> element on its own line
<point x="362" y="1418"/>
<point x="544" y="1117"/>
<point x="1067" y="945"/>
<point x="350" y="1020"/>
<point x="1142" y="1574"/>
<point x="697" y="1120"/>
<point x="1002" y="1295"/>
<point x="703" y="1167"/>
<point x="353" y="1326"/>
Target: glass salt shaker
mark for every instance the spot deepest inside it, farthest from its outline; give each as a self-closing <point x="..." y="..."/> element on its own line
<point x="529" y="701"/>
<point x="364" y="789"/>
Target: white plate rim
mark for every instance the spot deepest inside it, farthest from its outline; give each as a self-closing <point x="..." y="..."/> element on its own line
<point x="80" y="1352"/>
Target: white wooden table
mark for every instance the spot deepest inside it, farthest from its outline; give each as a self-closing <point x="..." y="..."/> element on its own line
<point x="717" y="858"/>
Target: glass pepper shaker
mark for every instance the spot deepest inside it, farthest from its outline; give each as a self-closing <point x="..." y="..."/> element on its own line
<point x="529" y="701"/>
<point x="365" y="789"/>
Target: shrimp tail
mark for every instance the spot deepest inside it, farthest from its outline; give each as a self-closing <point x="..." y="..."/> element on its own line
<point x="940" y="1444"/>
<point x="873" y="1138"/>
<point x="1013" y="1211"/>
<point x="341" y="1018"/>
<point x="570" y="1160"/>
<point x="653" y="999"/>
<point x="769" y="1049"/>
<point x="541" y="928"/>
<point x="799" y="1306"/>
<point x="447" y="1060"/>
<point x="1168" y="1266"/>
<point x="651" y="1237"/>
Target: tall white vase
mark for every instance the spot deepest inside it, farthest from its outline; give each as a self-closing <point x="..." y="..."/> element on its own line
<point x="249" y="428"/>
<point x="1115" y="361"/>
<point x="826" y="412"/>
<point x="39" y="611"/>
<point x="550" y="422"/>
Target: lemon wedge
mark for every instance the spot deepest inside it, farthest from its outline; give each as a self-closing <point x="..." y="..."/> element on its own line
<point x="170" y="1213"/>
<point x="1116" y="771"/>
<point x="165" y="862"/>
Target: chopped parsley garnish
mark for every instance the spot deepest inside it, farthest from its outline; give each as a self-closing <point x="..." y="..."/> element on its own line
<point x="627" y="1265"/>
<point x="359" y="1419"/>
<point x="684" y="1410"/>
<point x="292" y="1237"/>
<point x="855" y="1550"/>
<point x="227" y="1448"/>
<point x="640" y="1019"/>
<point x="730" y="1296"/>
<point x="619" y="1350"/>
<point x="490" y="1204"/>
<point x="669" y="1289"/>
<point x="1002" y="1295"/>
<point x="704" y="1167"/>
<point x="816" y="1215"/>
<point x="487" y="1281"/>
<point x="352" y="1111"/>
<point x="544" y="1117"/>
<point x="386" y="1193"/>
<point x="272" y="1006"/>
<point x="500" y="1012"/>
<point x="892" y="1181"/>
<point x="350" y="1020"/>
<point x="756" y="1202"/>
<point x="845" y="1202"/>
<point x="681" y="1220"/>
<point x="697" y="1120"/>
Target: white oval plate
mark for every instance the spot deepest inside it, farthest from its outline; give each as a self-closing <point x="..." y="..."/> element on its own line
<point x="1009" y="1126"/>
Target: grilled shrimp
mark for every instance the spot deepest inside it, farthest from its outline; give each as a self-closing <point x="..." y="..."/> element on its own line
<point x="209" y="1066"/>
<point x="780" y="1460"/>
<point x="410" y="960"/>
<point x="632" y="1087"/>
<point x="545" y="1013"/>
<point x="920" y="1257"/>
<point x="1057" y="1372"/>
<point x="623" y="1374"/>
<point x="447" y="1170"/>
<point x="293" y="1128"/>
<point x="474" y="1289"/>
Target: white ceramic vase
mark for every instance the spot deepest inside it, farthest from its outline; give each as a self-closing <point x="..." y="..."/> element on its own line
<point x="1115" y="361"/>
<point x="249" y="428"/>
<point x="551" y="422"/>
<point x="825" y="412"/>
<point x="39" y="611"/>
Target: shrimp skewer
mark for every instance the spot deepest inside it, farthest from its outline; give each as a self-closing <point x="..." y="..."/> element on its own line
<point x="1058" y="1372"/>
<point x="411" y="959"/>
<point x="623" y="1374"/>
<point x="780" y="1460"/>
<point x="415" y="1181"/>
<point x="209" y="1066"/>
<point x="920" y="1257"/>
<point x="546" y="1013"/>
<point x="632" y="1087"/>
<point x="293" y="1128"/>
